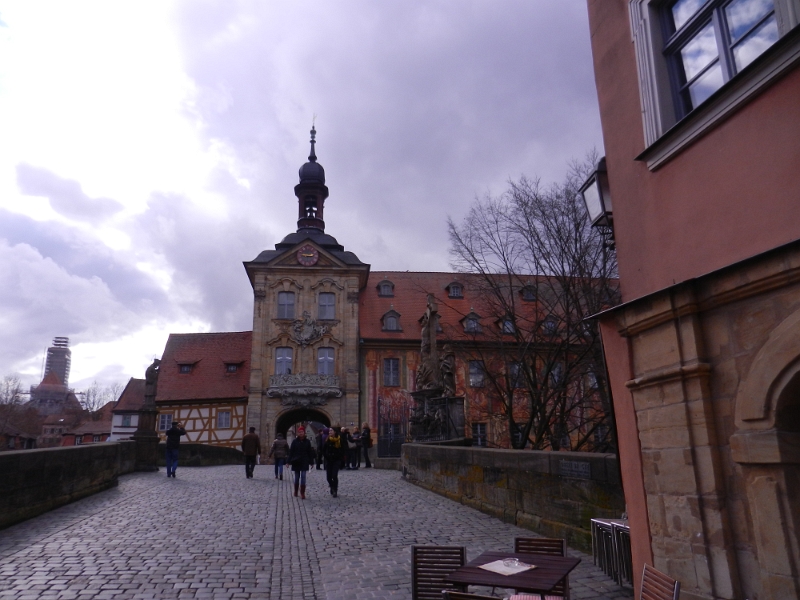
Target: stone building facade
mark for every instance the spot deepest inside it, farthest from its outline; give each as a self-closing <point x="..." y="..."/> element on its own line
<point x="704" y="351"/>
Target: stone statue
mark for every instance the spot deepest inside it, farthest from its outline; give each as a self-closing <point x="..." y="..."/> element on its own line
<point x="151" y="382"/>
<point x="306" y="330"/>
<point x="428" y="372"/>
<point x="448" y="371"/>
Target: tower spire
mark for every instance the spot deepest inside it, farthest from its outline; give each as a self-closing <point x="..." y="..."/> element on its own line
<point x="313" y="156"/>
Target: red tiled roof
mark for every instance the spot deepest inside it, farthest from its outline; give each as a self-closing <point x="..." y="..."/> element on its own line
<point x="51" y="379"/>
<point x="106" y="411"/>
<point x="98" y="427"/>
<point x="411" y="289"/>
<point x="132" y="397"/>
<point x="208" y="354"/>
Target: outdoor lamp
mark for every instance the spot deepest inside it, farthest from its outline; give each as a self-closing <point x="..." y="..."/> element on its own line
<point x="597" y="197"/>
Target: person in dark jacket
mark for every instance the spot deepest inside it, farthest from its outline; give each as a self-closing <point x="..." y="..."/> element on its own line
<point x="174" y="434"/>
<point x="251" y="446"/>
<point x="301" y="456"/>
<point x="366" y="443"/>
<point x="280" y="448"/>
<point x="335" y="453"/>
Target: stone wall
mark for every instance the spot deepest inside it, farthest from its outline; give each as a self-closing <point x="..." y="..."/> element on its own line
<point x="35" y="481"/>
<point x="555" y="494"/>
<point x="203" y="455"/>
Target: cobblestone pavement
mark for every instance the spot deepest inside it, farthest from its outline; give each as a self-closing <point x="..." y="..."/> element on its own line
<point x="211" y="533"/>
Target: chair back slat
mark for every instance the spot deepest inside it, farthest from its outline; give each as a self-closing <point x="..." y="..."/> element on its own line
<point x="551" y="547"/>
<point x="430" y="565"/>
<point x="658" y="586"/>
<point x="451" y="595"/>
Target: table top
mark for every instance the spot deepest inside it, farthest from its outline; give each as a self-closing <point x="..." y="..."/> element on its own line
<point x="548" y="572"/>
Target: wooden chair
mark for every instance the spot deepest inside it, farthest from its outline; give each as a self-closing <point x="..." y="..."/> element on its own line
<point x="657" y="586"/>
<point x="551" y="547"/>
<point x="430" y="565"/>
<point x="451" y="595"/>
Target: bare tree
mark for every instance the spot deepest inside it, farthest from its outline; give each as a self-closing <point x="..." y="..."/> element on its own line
<point x="97" y="396"/>
<point x="540" y="271"/>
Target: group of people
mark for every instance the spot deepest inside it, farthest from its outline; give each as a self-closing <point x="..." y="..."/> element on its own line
<point x="336" y="448"/>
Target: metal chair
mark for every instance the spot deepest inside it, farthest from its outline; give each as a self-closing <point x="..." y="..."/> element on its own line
<point x="451" y="595"/>
<point x="552" y="547"/>
<point x="658" y="586"/>
<point x="430" y="565"/>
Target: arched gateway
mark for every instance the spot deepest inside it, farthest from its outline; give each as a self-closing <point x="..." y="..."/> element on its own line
<point x="304" y="363"/>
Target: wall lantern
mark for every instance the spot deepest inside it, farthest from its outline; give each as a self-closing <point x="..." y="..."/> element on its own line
<point x="597" y="197"/>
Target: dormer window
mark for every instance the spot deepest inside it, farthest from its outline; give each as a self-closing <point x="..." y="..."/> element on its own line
<point x="185" y="368"/>
<point x="391" y="321"/>
<point x="550" y="325"/>
<point x="455" y="290"/>
<point x="231" y="367"/>
<point x="386" y="289"/>
<point x="472" y="323"/>
<point x="507" y="326"/>
<point x="528" y="293"/>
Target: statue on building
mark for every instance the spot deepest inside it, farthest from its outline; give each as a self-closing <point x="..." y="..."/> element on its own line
<point x="307" y="330"/>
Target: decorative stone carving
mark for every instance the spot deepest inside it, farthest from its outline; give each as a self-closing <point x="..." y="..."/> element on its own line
<point x="306" y="331"/>
<point x="304" y="389"/>
<point x="260" y="293"/>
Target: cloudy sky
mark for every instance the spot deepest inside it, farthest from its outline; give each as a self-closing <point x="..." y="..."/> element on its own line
<point x="147" y="148"/>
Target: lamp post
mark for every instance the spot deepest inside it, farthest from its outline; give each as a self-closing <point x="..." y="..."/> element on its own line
<point x="597" y="198"/>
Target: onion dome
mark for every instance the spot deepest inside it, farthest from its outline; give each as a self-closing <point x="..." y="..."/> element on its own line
<point x="312" y="171"/>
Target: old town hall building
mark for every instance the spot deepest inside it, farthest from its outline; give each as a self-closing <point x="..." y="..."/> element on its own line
<point x="331" y="343"/>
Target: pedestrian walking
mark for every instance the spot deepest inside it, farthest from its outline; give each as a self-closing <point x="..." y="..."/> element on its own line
<point x="174" y="434"/>
<point x="301" y="457"/>
<point x="320" y="440"/>
<point x="366" y="443"/>
<point x="280" y="448"/>
<point x="251" y="446"/>
<point x="348" y="445"/>
<point x="355" y="453"/>
<point x="334" y="457"/>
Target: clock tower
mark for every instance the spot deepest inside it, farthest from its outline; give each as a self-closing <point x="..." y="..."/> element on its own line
<point x="304" y="364"/>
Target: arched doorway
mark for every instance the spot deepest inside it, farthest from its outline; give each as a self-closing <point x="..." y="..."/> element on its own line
<point x="300" y="415"/>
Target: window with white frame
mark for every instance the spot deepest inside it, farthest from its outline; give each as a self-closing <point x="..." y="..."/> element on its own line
<point x="327" y="306"/>
<point x="479" y="434"/>
<point x="283" y="360"/>
<point x="455" y="290"/>
<point x="325" y="361"/>
<point x="126" y="420"/>
<point x="286" y="305"/>
<point x="78" y="440"/>
<point x="688" y="50"/>
<point x="96" y="438"/>
<point x="223" y="419"/>
<point x="164" y="421"/>
<point x="391" y="372"/>
<point x="391" y="321"/>
<point x="477" y="373"/>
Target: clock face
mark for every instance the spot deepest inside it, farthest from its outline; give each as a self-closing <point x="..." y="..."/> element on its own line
<point x="307" y="255"/>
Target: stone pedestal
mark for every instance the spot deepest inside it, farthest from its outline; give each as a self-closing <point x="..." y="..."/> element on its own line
<point x="146" y="440"/>
<point x="437" y="417"/>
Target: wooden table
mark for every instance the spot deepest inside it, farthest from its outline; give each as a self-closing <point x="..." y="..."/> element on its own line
<point x="548" y="572"/>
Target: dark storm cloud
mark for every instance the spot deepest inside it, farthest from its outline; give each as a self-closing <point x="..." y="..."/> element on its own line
<point x="66" y="196"/>
<point x="422" y="106"/>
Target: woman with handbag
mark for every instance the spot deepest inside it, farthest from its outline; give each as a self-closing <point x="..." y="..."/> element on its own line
<point x="301" y="456"/>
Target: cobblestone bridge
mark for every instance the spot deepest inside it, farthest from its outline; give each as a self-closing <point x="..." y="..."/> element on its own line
<point x="211" y="533"/>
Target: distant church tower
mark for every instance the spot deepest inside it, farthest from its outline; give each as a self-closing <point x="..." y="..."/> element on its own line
<point x="305" y="359"/>
<point x="59" y="358"/>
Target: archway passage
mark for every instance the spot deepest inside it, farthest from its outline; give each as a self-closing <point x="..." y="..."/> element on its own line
<point x="300" y="415"/>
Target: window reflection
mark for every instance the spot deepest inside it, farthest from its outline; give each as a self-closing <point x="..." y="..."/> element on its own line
<point x="742" y="15"/>
<point x="683" y="10"/>
<point x="699" y="52"/>
<point x="756" y="43"/>
<point x="705" y="85"/>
